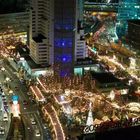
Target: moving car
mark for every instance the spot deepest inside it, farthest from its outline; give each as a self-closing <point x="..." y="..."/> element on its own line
<point x="45" y="126"/>
<point x="2" y="131"/>
<point x="37" y="132"/>
<point x="25" y="102"/>
<point x="5" y="117"/>
<point x="33" y="122"/>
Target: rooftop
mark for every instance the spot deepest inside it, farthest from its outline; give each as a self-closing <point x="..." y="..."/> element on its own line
<point x="39" y="38"/>
<point x="129" y="133"/>
<point x="86" y="61"/>
<point x="105" y="77"/>
<point x="24" y="52"/>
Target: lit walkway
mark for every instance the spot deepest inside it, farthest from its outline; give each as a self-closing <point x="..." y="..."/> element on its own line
<point x="51" y="113"/>
<point x="36" y="91"/>
<point x="60" y="99"/>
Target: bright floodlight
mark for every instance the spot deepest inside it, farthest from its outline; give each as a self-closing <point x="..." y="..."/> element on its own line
<point x="108" y="1"/>
<point x="67" y="92"/>
<point x="7" y="79"/>
<point x="3" y="69"/>
<point x="11" y="91"/>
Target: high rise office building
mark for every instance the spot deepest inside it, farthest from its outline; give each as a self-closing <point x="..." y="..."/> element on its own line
<point x="64" y="35"/>
<point x="80" y="49"/>
<point x="128" y="9"/>
<point x="57" y="35"/>
<point x="14" y="18"/>
<point x="41" y="31"/>
<point x="19" y="22"/>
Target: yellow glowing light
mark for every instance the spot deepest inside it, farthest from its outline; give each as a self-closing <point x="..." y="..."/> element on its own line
<point x="55" y="122"/>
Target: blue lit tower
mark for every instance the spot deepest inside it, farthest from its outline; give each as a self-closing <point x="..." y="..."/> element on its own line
<point x="57" y="35"/>
<point x="128" y="9"/>
<point x="64" y="35"/>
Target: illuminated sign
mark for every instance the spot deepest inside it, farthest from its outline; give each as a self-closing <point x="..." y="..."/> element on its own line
<point x="15" y="98"/>
<point x="15" y="110"/>
<point x="78" y="71"/>
<point x="22" y="59"/>
<point x="111" y="125"/>
<point x="89" y="129"/>
<point x="15" y="106"/>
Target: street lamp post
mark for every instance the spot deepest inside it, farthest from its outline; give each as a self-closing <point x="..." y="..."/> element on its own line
<point x="7" y="79"/>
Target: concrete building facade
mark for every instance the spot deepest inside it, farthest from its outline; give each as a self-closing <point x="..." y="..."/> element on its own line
<point x="41" y="31"/>
<point x="56" y="33"/>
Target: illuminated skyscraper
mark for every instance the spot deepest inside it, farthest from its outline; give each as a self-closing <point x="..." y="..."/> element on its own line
<point x="128" y="9"/>
<point x="69" y="43"/>
<point x="57" y="35"/>
<point x="41" y="31"/>
<point x="64" y="35"/>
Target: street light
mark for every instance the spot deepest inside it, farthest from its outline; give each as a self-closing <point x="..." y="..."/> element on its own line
<point x="7" y="79"/>
<point x="11" y="91"/>
<point x="3" y="69"/>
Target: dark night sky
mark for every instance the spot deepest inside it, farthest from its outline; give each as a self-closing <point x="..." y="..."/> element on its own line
<point x="8" y="6"/>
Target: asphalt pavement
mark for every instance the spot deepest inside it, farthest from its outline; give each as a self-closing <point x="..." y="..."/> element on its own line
<point x="26" y="110"/>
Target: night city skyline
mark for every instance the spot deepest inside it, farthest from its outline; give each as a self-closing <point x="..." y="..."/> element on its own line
<point x="69" y="69"/>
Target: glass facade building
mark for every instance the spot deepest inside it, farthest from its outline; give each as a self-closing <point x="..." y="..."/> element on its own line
<point x="128" y="9"/>
<point x="64" y="35"/>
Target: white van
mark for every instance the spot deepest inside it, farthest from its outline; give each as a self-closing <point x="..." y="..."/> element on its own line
<point x="33" y="122"/>
<point x="5" y="117"/>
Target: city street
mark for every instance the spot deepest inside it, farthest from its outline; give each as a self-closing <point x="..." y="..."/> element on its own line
<point x="27" y="111"/>
<point x="69" y="69"/>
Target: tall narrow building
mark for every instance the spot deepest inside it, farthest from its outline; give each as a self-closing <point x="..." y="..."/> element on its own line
<point x="41" y="31"/>
<point x="64" y="35"/>
<point x="57" y="35"/>
<point x="128" y="10"/>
